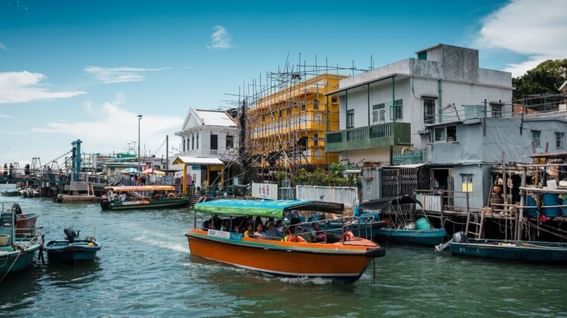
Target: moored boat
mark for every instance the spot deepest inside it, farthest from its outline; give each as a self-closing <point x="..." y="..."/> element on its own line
<point x="523" y="251"/>
<point x="345" y="260"/>
<point x="15" y="255"/>
<point x="142" y="197"/>
<point x="25" y="222"/>
<point x="71" y="249"/>
<point x="403" y="226"/>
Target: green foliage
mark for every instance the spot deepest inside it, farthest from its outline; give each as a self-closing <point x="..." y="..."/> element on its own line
<point x="331" y="177"/>
<point x="546" y="78"/>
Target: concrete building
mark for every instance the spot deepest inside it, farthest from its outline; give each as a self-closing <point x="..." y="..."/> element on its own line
<point x="388" y="109"/>
<point x="209" y="145"/>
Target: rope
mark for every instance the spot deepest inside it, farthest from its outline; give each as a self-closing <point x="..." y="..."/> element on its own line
<point x="11" y="266"/>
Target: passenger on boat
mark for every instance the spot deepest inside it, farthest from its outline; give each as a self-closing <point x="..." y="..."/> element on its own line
<point x="347" y="234"/>
<point x="249" y="232"/>
<point x="318" y="235"/>
<point x="259" y="231"/>
<point x="271" y="232"/>
<point x="123" y="196"/>
<point x="291" y="237"/>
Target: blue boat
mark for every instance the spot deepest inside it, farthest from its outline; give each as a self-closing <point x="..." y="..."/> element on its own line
<point x="72" y="250"/>
<point x="399" y="229"/>
<point x="524" y="251"/>
<point x="15" y="254"/>
<point x="428" y="237"/>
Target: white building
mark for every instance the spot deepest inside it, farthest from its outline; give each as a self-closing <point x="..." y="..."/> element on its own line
<point x="392" y="107"/>
<point x="209" y="144"/>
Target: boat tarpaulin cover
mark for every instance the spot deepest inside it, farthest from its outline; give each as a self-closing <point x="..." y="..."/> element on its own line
<point x="265" y="208"/>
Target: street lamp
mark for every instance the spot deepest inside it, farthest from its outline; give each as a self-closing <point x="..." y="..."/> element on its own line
<point x="139" y="158"/>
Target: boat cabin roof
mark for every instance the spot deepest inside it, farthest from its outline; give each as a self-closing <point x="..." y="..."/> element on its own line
<point x="382" y="203"/>
<point x="265" y="208"/>
<point x="141" y="188"/>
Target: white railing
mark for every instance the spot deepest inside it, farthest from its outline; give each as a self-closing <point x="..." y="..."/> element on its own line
<point x="346" y="195"/>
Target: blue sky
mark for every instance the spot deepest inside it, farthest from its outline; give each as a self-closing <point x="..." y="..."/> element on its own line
<point x="85" y="69"/>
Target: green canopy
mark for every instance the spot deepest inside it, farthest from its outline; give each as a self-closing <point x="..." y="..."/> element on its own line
<point x="264" y="208"/>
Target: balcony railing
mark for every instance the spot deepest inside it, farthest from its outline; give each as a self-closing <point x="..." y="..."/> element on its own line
<point x="375" y="136"/>
<point x="410" y="157"/>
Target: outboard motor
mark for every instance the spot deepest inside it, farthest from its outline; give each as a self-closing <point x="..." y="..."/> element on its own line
<point x="16" y="208"/>
<point x="457" y="238"/>
<point x="70" y="234"/>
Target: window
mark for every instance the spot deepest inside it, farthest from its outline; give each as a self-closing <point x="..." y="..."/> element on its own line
<point x="446" y="134"/>
<point x="229" y="142"/>
<point x="496" y="110"/>
<point x="440" y="134"/>
<point x="316" y="140"/>
<point x="183" y="144"/>
<point x="451" y="133"/>
<point x="378" y="113"/>
<point x="350" y="118"/>
<point x="559" y="136"/>
<point x="302" y="107"/>
<point x="214" y="142"/>
<point x="315" y="104"/>
<point x="429" y="110"/>
<point x="289" y="111"/>
<point x="197" y="142"/>
<point x="188" y="144"/>
<point x="536" y="134"/>
<point x="422" y="55"/>
<point x="398" y="109"/>
<point x="192" y="141"/>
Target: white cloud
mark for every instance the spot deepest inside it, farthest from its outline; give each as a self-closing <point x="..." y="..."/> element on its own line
<point x="220" y="39"/>
<point x="537" y="29"/>
<point x="2" y="46"/>
<point x="6" y="116"/>
<point x="120" y="74"/>
<point x="23" y="87"/>
<point x="112" y="127"/>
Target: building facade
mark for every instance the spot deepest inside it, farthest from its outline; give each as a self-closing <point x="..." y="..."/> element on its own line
<point x="209" y="145"/>
<point x="389" y="109"/>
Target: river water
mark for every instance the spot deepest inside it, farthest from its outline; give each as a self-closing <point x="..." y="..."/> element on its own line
<point x="146" y="269"/>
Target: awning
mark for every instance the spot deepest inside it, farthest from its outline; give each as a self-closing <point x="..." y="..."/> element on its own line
<point x="382" y="203"/>
<point x="265" y="208"/>
<point x="415" y="165"/>
<point x="197" y="160"/>
<point x="141" y="188"/>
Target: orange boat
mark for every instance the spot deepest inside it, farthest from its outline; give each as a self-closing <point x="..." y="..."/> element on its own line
<point x="344" y="260"/>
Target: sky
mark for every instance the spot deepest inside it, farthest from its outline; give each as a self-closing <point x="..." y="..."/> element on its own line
<point x="86" y="69"/>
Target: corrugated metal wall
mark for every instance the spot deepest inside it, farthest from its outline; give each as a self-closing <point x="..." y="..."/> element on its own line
<point x="345" y="195"/>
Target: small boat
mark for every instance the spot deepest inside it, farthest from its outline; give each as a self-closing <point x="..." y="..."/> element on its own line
<point x="400" y="229"/>
<point x="25" y="223"/>
<point x="524" y="251"/>
<point x="15" y="254"/>
<point x="10" y="193"/>
<point x="346" y="259"/>
<point x="142" y="197"/>
<point x="71" y="249"/>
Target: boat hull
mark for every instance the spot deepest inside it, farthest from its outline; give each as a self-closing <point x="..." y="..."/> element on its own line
<point x="17" y="260"/>
<point x="63" y="251"/>
<point x="414" y="237"/>
<point x="14" y="193"/>
<point x="529" y="252"/>
<point x="144" y="204"/>
<point x="342" y="262"/>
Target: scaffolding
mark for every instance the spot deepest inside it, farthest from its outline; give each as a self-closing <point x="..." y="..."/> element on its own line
<point x="287" y="115"/>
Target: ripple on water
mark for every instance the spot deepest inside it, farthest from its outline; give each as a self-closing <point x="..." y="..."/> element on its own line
<point x="145" y="269"/>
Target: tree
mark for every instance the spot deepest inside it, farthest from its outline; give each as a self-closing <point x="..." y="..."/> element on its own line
<point x="546" y="78"/>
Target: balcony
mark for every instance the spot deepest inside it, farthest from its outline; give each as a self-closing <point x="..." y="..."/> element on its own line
<point x="375" y="136"/>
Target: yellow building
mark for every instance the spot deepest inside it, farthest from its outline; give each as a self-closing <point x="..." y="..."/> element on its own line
<point x="287" y="128"/>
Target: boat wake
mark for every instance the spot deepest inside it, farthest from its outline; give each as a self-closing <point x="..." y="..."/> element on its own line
<point x="178" y="247"/>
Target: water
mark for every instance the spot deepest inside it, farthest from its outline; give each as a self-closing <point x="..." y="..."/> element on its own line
<point x="145" y="269"/>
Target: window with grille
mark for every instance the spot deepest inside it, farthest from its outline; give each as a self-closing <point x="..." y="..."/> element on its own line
<point x="350" y="118"/>
<point x="429" y="110"/>
<point x="398" y="109"/>
<point x="378" y="113"/>
<point x="496" y="110"/>
<point x="536" y="134"/>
